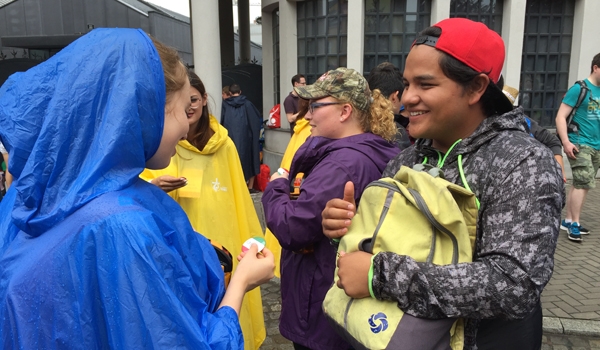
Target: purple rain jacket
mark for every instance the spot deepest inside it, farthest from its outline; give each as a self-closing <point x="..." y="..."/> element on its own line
<point x="305" y="278"/>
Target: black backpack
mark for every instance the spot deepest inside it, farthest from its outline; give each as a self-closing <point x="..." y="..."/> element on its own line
<point x="571" y="125"/>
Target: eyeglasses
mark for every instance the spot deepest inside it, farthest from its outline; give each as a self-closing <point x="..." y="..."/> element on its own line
<point x="312" y="106"/>
<point x="195" y="102"/>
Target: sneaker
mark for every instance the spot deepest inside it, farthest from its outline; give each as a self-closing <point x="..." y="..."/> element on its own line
<point x="565" y="227"/>
<point x="573" y="232"/>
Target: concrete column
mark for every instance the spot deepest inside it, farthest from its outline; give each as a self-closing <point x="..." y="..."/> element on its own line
<point x="513" y="28"/>
<point x="356" y="35"/>
<point x="206" y="50"/>
<point x="288" y="50"/>
<point x="244" y="30"/>
<point x="268" y="67"/>
<point x="440" y="9"/>
<point x="586" y="42"/>
<point x="226" y="33"/>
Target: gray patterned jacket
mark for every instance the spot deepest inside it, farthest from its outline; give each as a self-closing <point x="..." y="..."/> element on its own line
<point x="520" y="188"/>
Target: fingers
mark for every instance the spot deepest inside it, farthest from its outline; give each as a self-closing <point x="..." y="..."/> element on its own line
<point x="169" y="183"/>
<point x="353" y="273"/>
<point x="571" y="150"/>
<point x="349" y="192"/>
<point x="266" y="252"/>
<point x="337" y="217"/>
<point x="331" y="234"/>
<point x="253" y="250"/>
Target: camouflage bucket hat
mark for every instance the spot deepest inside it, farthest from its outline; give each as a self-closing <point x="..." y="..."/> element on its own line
<point x="342" y="84"/>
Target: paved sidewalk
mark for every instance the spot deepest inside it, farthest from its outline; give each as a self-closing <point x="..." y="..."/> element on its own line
<point x="570" y="302"/>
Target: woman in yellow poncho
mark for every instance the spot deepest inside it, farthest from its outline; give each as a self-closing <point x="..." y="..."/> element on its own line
<point x="301" y="133"/>
<point x="205" y="177"/>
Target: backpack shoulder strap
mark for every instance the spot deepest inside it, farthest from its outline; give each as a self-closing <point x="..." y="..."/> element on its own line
<point x="582" y="93"/>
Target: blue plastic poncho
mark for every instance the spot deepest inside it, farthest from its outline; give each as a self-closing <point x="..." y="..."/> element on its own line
<point x="90" y="255"/>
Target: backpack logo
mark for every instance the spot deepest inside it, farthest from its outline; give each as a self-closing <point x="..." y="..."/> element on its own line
<point x="378" y="322"/>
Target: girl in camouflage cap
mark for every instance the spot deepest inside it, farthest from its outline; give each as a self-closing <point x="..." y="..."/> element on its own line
<point x="350" y="141"/>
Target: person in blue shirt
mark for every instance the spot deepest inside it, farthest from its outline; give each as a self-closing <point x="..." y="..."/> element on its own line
<point x="581" y="147"/>
<point x="92" y="256"/>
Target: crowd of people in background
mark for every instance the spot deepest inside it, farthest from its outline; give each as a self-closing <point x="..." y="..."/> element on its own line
<point x="117" y="199"/>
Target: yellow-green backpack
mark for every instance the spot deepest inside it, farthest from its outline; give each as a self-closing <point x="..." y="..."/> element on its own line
<point x="414" y="214"/>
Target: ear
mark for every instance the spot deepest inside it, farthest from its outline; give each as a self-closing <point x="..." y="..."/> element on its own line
<point x="346" y="112"/>
<point x="478" y="87"/>
<point x="394" y="96"/>
<point x="204" y="99"/>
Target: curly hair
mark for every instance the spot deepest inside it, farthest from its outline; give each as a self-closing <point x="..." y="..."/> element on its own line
<point x="379" y="120"/>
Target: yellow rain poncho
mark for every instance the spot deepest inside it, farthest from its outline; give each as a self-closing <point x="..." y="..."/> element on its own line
<point x="301" y="133"/>
<point x="219" y="206"/>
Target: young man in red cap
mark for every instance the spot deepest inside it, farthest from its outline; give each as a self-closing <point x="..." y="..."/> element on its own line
<point x="468" y="128"/>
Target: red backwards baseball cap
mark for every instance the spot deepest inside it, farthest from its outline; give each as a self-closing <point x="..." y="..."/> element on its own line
<point x="475" y="45"/>
<point x="472" y="43"/>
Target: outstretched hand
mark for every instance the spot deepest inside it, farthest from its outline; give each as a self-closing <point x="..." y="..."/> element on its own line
<point x="338" y="213"/>
<point x="169" y="183"/>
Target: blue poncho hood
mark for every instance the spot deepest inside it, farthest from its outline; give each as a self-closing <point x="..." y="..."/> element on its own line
<point x="58" y="155"/>
<point x="91" y="256"/>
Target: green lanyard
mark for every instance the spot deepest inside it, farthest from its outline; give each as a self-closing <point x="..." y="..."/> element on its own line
<point x="442" y="160"/>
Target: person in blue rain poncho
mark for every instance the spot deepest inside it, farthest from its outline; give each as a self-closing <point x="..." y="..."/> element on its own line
<point x="92" y="256"/>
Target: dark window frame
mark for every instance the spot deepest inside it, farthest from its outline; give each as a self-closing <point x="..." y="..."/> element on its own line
<point x="376" y="16"/>
<point x="476" y="10"/>
<point x="319" y="24"/>
<point x="546" y="57"/>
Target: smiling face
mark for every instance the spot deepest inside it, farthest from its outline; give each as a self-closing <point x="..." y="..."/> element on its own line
<point x="438" y="108"/>
<point x="197" y="104"/>
<point x="175" y="129"/>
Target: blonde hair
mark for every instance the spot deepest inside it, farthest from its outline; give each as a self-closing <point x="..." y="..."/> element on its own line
<point x="173" y="69"/>
<point x="379" y="120"/>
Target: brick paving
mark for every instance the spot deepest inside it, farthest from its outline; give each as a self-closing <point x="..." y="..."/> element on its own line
<point x="574" y="290"/>
<point x="570" y="301"/>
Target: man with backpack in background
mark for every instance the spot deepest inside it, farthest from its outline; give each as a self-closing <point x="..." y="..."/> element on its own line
<point x="467" y="127"/>
<point x="578" y="126"/>
<point x="290" y="104"/>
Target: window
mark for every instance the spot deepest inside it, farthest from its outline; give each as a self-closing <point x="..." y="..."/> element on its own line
<point x="488" y="12"/>
<point x="276" y="71"/>
<point x="391" y="26"/>
<point x="546" y="56"/>
<point x="322" y="36"/>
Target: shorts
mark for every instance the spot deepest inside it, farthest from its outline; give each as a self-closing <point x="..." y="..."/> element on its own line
<point x="585" y="167"/>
